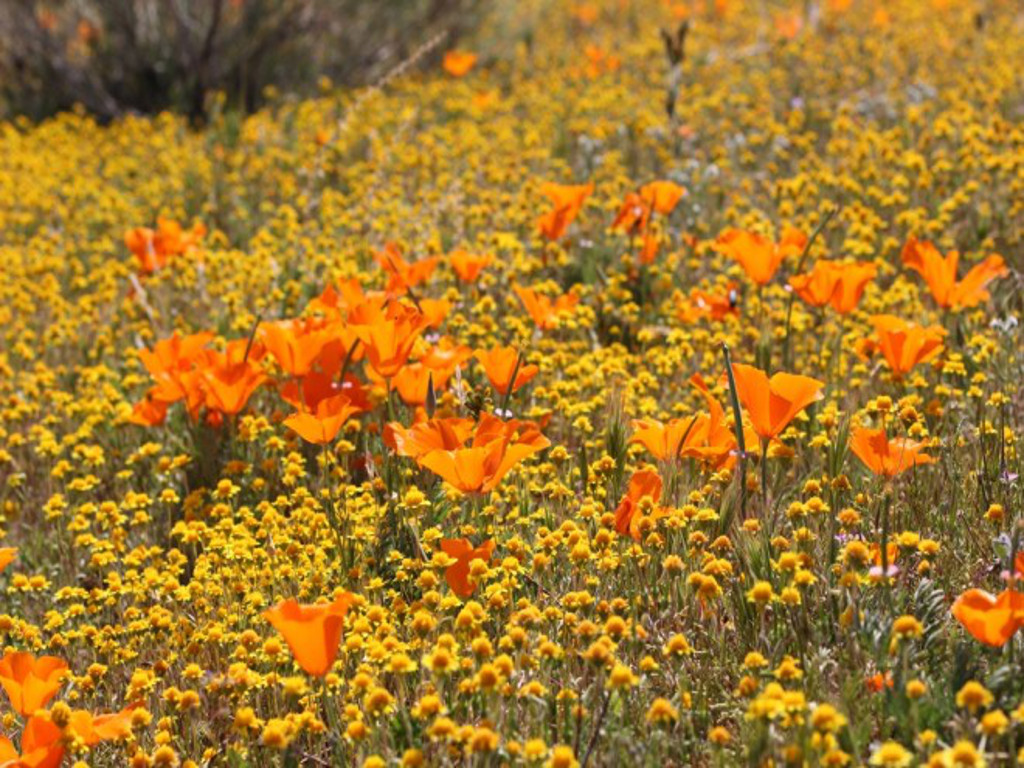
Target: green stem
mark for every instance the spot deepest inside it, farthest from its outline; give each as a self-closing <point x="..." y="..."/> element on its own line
<point x="799" y="266"/>
<point x="511" y="385"/>
<point x="738" y="428"/>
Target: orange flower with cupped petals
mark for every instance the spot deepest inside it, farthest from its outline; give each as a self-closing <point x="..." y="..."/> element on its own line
<point x="645" y="486"/>
<point x="990" y="619"/>
<point x="92" y="729"/>
<point x="170" y="360"/>
<point x="905" y="344"/>
<point x="940" y="274"/>
<point x="702" y="304"/>
<point x="884" y="456"/>
<point x="567" y="201"/>
<point x="664" y="441"/>
<point x="662" y="196"/>
<point x="404" y="275"/>
<point x="446" y="355"/>
<point x="772" y="403"/>
<point x="306" y="393"/>
<point x="313" y="632"/>
<point x="413" y="382"/>
<point x="713" y="439"/>
<point x="458" y="63"/>
<point x="337" y="300"/>
<point x="31" y="682"/>
<point x="323" y="424"/>
<point x="495" y="449"/>
<point x="458" y="574"/>
<point x="544" y="311"/>
<point x="635" y="214"/>
<point x="389" y="337"/>
<point x="7" y="556"/>
<point x="468" y="266"/>
<point x="229" y="384"/>
<point x="42" y="745"/>
<point x="500" y="364"/>
<point x="830" y="283"/>
<point x="433" y="435"/>
<point x="153" y="249"/>
<point x="759" y="256"/>
<point x="296" y="344"/>
<point x="149" y="411"/>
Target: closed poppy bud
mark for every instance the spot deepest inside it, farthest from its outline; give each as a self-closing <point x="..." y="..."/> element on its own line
<point x="313" y="632"/>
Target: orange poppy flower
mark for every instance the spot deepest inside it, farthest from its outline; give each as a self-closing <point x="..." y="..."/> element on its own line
<point x="402" y="274"/>
<point x="545" y="312"/>
<point x="634" y="215"/>
<point x="905" y="344"/>
<point x="42" y="746"/>
<point x="337" y="300"/>
<point x="788" y="26"/>
<point x="296" y="344"/>
<point x="7" y="555"/>
<point x="645" y="486"/>
<point x="662" y="196"/>
<point x="637" y="209"/>
<point x="879" y="681"/>
<point x="713" y="439"/>
<point x="840" y="285"/>
<point x="940" y="274"/>
<point x="149" y="412"/>
<point x="499" y="364"/>
<point x="446" y="355"/>
<point x="313" y="632"/>
<point x="229" y="385"/>
<point x="772" y="403"/>
<point x="884" y="456"/>
<point x="567" y="201"/>
<point x="468" y="266"/>
<point x="759" y="256"/>
<point x="434" y="311"/>
<point x="713" y="306"/>
<point x="389" y="337"/>
<point x="458" y="63"/>
<point x="154" y="248"/>
<point x="664" y="441"/>
<point x="427" y="436"/>
<point x="92" y="729"/>
<point x="323" y="424"/>
<point x="892" y="553"/>
<point x="306" y="393"/>
<point x="990" y="619"/>
<point x="496" y="448"/>
<point x="599" y="61"/>
<point x="413" y="380"/>
<point x="30" y="682"/>
<point x="585" y="13"/>
<point x="649" y="248"/>
<point x="169" y="360"/>
<point x="457" y="574"/>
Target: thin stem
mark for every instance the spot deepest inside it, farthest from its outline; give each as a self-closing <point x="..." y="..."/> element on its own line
<point x="738" y="428"/>
<point x="799" y="266"/>
<point x="252" y="338"/>
<point x="511" y="385"/>
<point x="597" y="729"/>
<point x="764" y="480"/>
<point x="347" y="362"/>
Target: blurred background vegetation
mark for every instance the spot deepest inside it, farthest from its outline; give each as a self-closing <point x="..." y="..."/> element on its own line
<point x="119" y="56"/>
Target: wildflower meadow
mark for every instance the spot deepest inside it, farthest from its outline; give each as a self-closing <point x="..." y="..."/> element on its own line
<point x="626" y="382"/>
